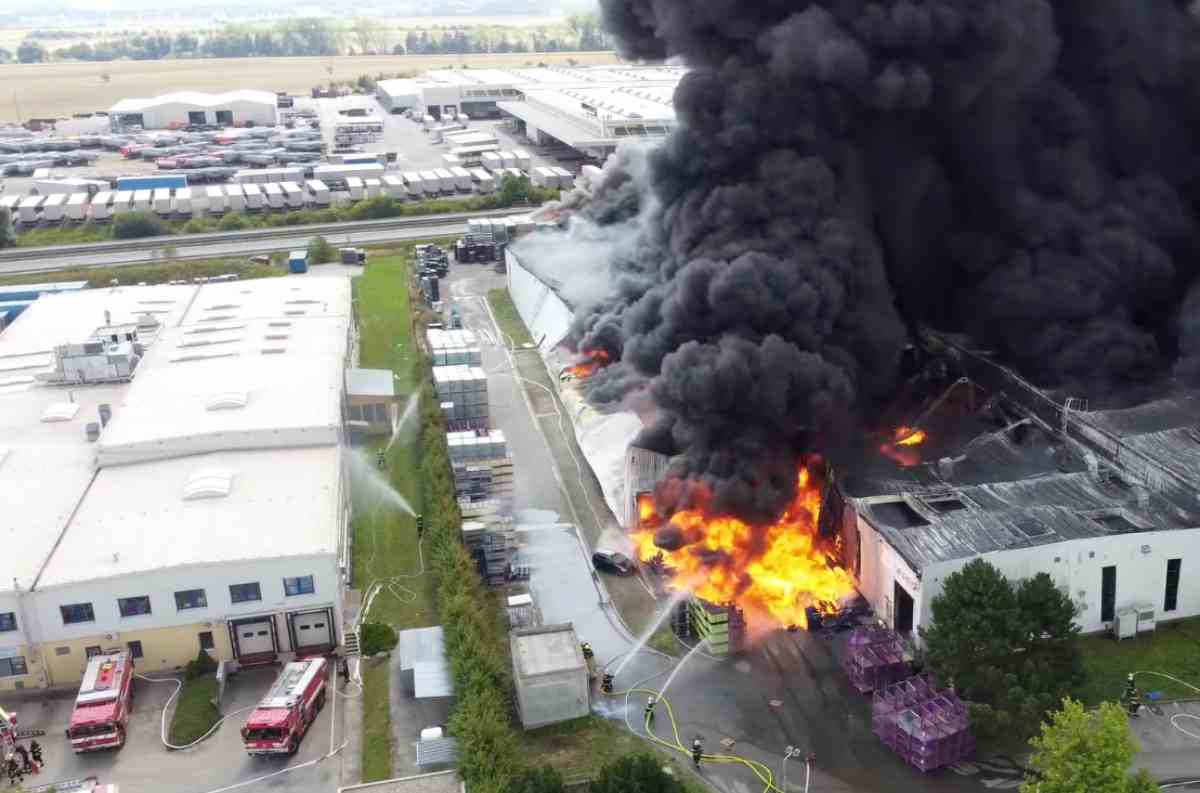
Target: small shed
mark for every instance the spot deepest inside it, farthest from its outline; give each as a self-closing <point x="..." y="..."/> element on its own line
<point x="551" y="675"/>
<point x="371" y="401"/>
<point x="423" y="667"/>
<point x="298" y="261"/>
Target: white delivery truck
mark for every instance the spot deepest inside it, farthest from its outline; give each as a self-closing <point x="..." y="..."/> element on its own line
<point x="544" y="177"/>
<point x="27" y="210"/>
<point x="142" y="200"/>
<point x="394" y="185"/>
<point x="483" y="180"/>
<point x="373" y="188"/>
<point x="462" y="179"/>
<point x="565" y="179"/>
<point x="199" y="201"/>
<point x="354" y="186"/>
<point x="319" y="192"/>
<point x="524" y="161"/>
<point x="508" y="159"/>
<point x="293" y="196"/>
<point x="445" y="180"/>
<point x="53" y="208"/>
<point x="183" y="201"/>
<point x="162" y="200"/>
<point x="254" y="197"/>
<point x="432" y="182"/>
<point x="414" y="184"/>
<point x="273" y="195"/>
<point x="237" y="198"/>
<point x="492" y="161"/>
<point x="101" y="206"/>
<point x="77" y="206"/>
<point x="216" y="199"/>
<point x="122" y="201"/>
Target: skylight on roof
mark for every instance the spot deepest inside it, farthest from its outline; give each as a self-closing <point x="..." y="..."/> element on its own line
<point x="218" y="318"/>
<point x="60" y="411"/>
<point x="214" y="482"/>
<point x="227" y="400"/>
<point x="215" y="328"/>
<point x="202" y="356"/>
<point x="223" y="306"/>
<point x="205" y="341"/>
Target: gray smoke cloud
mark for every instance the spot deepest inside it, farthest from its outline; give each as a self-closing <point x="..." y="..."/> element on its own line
<point x="1020" y="170"/>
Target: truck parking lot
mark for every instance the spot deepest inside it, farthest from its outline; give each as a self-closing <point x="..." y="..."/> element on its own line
<point x="220" y="763"/>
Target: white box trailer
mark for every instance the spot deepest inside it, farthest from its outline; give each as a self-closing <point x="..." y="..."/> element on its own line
<point x="344" y="171"/>
<point x="544" y="176"/>
<point x="394" y="185"/>
<point x="413" y="183"/>
<point x="483" y="180"/>
<point x="199" y="202"/>
<point x="462" y="178"/>
<point x="162" y="200"/>
<point x="432" y="182"/>
<point x="524" y="161"/>
<point x="54" y="207"/>
<point x="450" y="160"/>
<point x="122" y="201"/>
<point x="354" y="186"/>
<point x="254" y="197"/>
<point x="319" y="192"/>
<point x="101" y="206"/>
<point x="373" y="188"/>
<point x="77" y="206"/>
<point x="445" y="180"/>
<point x="470" y="138"/>
<point x="27" y="210"/>
<point x="273" y="195"/>
<point x="183" y="201"/>
<point x="492" y="161"/>
<point x="236" y="197"/>
<point x="142" y="200"/>
<point x="10" y="203"/>
<point x="565" y="178"/>
<point x="216" y="199"/>
<point x="293" y="196"/>
<point x="508" y="159"/>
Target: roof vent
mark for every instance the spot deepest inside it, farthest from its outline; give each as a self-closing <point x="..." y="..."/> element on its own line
<point x="227" y="400"/>
<point x="208" y="483"/>
<point x="60" y="411"/>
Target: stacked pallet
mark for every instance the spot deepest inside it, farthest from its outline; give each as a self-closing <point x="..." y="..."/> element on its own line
<point x="926" y="727"/>
<point x="453" y="347"/>
<point x="467" y="445"/>
<point x="874" y="658"/>
<point x="462" y="392"/>
<point x="721" y="627"/>
<point x="492" y="545"/>
<point x="483" y="480"/>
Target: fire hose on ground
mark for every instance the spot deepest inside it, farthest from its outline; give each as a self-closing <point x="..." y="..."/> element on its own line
<point x="1174" y="722"/>
<point x="167" y="706"/>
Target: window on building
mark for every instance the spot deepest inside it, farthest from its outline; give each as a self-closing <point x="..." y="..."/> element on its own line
<point x="8" y="621"/>
<point x="1171" y="599"/>
<point x="301" y="585"/>
<point x="135" y="649"/>
<point x="245" y="593"/>
<point x="206" y="640"/>
<point x="1108" y="593"/>
<point x="13" y="667"/>
<point x="77" y="612"/>
<point x="93" y="650"/>
<point x="62" y="650"/>
<point x="190" y="599"/>
<point x="134" y="607"/>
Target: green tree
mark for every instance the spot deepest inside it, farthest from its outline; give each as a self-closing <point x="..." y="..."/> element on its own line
<point x="543" y="779"/>
<point x="234" y="221"/>
<point x="132" y="225"/>
<point x="8" y="237"/>
<point x="320" y="251"/>
<point x="375" y="637"/>
<point x="1082" y="751"/>
<point x="31" y="52"/>
<point x="635" y="773"/>
<point x="1010" y="651"/>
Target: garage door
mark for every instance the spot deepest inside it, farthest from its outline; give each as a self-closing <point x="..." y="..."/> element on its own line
<point x="313" y="630"/>
<point x="254" y="638"/>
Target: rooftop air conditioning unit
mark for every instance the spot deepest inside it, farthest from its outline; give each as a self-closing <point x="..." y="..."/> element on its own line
<point x="1146" y="620"/>
<point x="1126" y="624"/>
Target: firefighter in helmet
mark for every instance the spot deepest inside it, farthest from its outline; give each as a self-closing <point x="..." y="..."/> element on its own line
<point x="697" y="751"/>
<point x="650" y="703"/>
<point x="1131" y="697"/>
<point x="606" y="683"/>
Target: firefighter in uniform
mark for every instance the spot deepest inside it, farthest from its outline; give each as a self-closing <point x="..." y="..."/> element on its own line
<point x="587" y="650"/>
<point x="697" y="751"/>
<point x="650" y="702"/>
<point x="1133" y="701"/>
<point x="606" y="683"/>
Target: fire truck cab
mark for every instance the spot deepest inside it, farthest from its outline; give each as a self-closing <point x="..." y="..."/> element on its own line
<point x="290" y="706"/>
<point x="102" y="707"/>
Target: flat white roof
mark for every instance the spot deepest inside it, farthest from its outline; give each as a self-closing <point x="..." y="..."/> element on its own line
<point x="136" y="518"/>
<point x="370" y="382"/>
<point x="194" y="98"/>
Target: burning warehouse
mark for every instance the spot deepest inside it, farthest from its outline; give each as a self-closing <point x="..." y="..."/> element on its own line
<point x="739" y="301"/>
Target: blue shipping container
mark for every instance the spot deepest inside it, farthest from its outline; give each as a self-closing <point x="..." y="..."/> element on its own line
<point x="298" y="261"/>
<point x="26" y="292"/>
<point x="151" y="182"/>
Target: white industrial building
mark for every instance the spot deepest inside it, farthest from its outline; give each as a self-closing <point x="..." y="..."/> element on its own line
<point x="231" y="109"/>
<point x="201" y="504"/>
<point x="1105" y="502"/>
<point x="590" y="109"/>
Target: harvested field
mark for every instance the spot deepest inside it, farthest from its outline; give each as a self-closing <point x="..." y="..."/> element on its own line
<point x="59" y="89"/>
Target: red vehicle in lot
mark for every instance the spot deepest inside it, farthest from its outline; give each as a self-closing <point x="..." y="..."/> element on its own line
<point x="102" y="707"/>
<point x="291" y="705"/>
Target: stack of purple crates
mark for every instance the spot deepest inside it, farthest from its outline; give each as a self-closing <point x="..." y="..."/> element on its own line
<point x="926" y="727"/>
<point x="875" y="658"/>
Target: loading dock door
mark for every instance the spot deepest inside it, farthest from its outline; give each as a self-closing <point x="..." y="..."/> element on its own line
<point x="312" y="630"/>
<point x="903" y="622"/>
<point x="254" y="638"/>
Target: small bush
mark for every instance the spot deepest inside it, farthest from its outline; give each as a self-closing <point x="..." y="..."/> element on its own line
<point x="203" y="664"/>
<point x="374" y="209"/>
<point x="234" y="221"/>
<point x="375" y="637"/>
<point x="134" y="225"/>
<point x="320" y="251"/>
<point x="198" y="226"/>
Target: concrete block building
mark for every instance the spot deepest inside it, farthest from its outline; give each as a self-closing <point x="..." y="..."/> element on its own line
<point x="200" y="504"/>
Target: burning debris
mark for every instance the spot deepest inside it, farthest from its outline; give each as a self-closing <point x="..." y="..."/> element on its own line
<point x="773" y="572"/>
<point x="594" y="361"/>
<point x="901" y="448"/>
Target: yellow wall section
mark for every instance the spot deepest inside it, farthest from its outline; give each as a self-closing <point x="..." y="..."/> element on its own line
<point x="31" y="680"/>
<point x="163" y="650"/>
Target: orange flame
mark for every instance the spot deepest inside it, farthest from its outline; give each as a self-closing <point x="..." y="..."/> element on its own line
<point x="900" y="449"/>
<point x="727" y="561"/>
<point x="595" y="361"/>
<point x="907" y="436"/>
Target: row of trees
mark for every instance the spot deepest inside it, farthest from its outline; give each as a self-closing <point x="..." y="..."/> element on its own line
<point x="300" y="36"/>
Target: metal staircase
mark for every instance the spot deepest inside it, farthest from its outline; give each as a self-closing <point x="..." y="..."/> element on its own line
<point x="350" y="642"/>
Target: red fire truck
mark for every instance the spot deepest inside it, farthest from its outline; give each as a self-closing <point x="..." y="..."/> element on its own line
<point x="103" y="704"/>
<point x="289" y="708"/>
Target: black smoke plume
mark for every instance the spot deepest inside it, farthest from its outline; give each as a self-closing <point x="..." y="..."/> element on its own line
<point x="1022" y="170"/>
